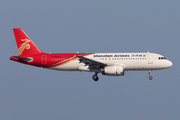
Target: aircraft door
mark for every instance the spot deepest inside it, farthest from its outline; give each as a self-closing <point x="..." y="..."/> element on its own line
<point x="150" y="59"/>
<point x="44" y="59"/>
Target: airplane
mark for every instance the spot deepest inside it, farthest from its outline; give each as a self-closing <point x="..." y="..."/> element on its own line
<point x="110" y="64"/>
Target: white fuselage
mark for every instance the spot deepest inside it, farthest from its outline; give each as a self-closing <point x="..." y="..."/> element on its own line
<point x="129" y="61"/>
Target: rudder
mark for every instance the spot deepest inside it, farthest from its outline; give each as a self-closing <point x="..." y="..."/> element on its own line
<point x="24" y="43"/>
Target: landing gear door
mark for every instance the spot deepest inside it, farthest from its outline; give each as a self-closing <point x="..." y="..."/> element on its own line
<point x="44" y="59"/>
<point x="150" y="59"/>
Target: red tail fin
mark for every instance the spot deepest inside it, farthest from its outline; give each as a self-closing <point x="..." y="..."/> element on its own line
<point x="24" y="43"/>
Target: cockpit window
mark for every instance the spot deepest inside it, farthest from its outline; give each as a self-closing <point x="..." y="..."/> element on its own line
<point x="161" y="58"/>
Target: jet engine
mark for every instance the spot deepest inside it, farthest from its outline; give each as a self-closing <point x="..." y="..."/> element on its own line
<point x="117" y="70"/>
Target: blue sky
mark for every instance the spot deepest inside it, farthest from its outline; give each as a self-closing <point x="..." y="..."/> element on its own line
<point x="57" y="26"/>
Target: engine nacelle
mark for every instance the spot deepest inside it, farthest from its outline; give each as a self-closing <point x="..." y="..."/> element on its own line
<point x="117" y="70"/>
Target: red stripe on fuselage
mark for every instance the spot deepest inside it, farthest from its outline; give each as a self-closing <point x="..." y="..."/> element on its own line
<point x="61" y="59"/>
<point x="50" y="60"/>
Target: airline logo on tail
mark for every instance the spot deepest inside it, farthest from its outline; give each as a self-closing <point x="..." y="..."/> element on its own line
<point x="24" y="45"/>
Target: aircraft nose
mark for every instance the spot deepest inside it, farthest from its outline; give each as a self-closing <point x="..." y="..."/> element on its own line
<point x="170" y="63"/>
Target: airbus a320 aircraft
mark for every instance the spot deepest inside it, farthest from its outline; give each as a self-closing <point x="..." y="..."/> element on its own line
<point x="111" y="64"/>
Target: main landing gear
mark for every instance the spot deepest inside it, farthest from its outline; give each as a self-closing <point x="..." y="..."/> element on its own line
<point x="150" y="77"/>
<point x="95" y="77"/>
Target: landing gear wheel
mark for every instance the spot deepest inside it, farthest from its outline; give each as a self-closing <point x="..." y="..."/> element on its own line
<point x="95" y="77"/>
<point x="150" y="77"/>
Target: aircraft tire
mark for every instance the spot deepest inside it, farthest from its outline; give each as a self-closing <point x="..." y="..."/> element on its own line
<point x="150" y="77"/>
<point x="95" y="77"/>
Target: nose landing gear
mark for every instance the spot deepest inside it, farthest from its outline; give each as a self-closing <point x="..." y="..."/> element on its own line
<point x="150" y="77"/>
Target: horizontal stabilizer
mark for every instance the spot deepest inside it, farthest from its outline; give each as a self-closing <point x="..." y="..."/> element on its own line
<point x="24" y="58"/>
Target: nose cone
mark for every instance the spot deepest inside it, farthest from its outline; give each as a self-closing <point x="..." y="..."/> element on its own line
<point x="169" y="64"/>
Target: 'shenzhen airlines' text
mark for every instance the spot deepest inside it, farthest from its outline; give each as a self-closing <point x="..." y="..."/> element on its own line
<point x="111" y="56"/>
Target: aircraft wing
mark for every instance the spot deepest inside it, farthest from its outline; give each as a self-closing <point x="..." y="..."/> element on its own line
<point x="91" y="63"/>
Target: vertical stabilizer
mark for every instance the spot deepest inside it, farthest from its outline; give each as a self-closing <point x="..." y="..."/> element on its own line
<point x="24" y="43"/>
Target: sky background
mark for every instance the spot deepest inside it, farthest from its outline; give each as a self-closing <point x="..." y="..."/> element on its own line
<point x="68" y="26"/>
